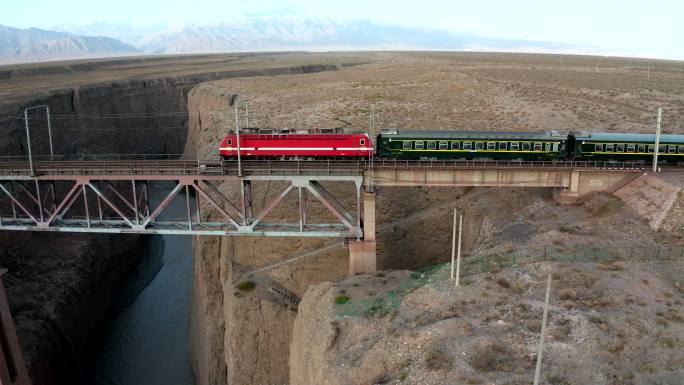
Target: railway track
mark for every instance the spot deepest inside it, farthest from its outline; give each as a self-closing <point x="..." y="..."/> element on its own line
<point x="284" y="167"/>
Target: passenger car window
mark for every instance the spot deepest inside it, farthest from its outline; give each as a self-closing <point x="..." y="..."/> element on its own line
<point x="420" y="145"/>
<point x="609" y="147"/>
<point x="555" y="147"/>
<point x="467" y="145"/>
<point x="407" y="145"/>
<point x="455" y="145"/>
<point x="479" y="145"/>
<point x="515" y="146"/>
<point x="671" y="149"/>
<point x="642" y="148"/>
<point x="630" y="148"/>
<point x="620" y="148"/>
<point x="681" y="149"/>
<point x="432" y="145"/>
<point x="537" y="147"/>
<point x="503" y="145"/>
<point x="443" y="145"/>
<point x="526" y="146"/>
<point x="491" y="146"/>
<point x="651" y="148"/>
<point x="598" y="147"/>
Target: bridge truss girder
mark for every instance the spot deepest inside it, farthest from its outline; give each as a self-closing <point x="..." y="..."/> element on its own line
<point x="97" y="204"/>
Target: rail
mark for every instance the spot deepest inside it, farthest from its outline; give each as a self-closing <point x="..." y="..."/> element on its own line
<point x="148" y="165"/>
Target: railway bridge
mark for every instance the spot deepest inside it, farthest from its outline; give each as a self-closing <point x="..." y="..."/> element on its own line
<point x="113" y="193"/>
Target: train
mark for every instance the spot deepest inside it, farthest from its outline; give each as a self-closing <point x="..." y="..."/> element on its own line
<point x="414" y="144"/>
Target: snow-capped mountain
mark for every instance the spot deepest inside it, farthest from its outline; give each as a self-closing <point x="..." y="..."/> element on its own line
<point x="293" y="31"/>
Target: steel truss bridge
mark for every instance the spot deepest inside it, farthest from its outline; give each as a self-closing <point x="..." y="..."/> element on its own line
<point x="113" y="195"/>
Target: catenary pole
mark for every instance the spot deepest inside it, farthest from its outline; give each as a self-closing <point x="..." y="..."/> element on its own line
<point x="656" y="149"/>
<point x="453" y="246"/>
<point x="458" y="254"/>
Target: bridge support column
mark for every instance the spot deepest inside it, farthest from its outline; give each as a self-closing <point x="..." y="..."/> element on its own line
<point x="572" y="193"/>
<point x="362" y="254"/>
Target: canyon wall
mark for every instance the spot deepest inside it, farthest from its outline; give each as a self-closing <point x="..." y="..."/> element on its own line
<point x="244" y="338"/>
<point x="60" y="285"/>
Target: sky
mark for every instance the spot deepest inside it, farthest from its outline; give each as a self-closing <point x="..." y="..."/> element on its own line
<point x="651" y="28"/>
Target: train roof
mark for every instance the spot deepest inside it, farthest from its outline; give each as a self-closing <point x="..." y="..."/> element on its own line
<point x="620" y="137"/>
<point x="436" y="134"/>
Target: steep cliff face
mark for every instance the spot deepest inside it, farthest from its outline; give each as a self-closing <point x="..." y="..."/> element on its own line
<point x="59" y="288"/>
<point x="60" y="285"/>
<point x="239" y="338"/>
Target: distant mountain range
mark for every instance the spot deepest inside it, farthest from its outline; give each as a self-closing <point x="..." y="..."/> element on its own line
<point x="33" y="44"/>
<point x="250" y="33"/>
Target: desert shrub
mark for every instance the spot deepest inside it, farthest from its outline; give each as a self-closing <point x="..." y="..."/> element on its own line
<point x="568" y="294"/>
<point x="342" y="299"/>
<point x="562" y="332"/>
<point x="435" y="359"/>
<point x="503" y="282"/>
<point x="246" y="286"/>
<point x="380" y="274"/>
<point x="556" y="377"/>
<point x="614" y="266"/>
<point x="491" y="356"/>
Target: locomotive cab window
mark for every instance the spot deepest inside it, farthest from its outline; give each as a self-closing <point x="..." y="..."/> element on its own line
<point x="491" y="146"/>
<point x="467" y="145"/>
<point x="455" y="145"/>
<point x="641" y="148"/>
<point x="620" y="148"/>
<point x="526" y="146"/>
<point x="420" y="145"/>
<point x="502" y="146"/>
<point x="432" y="145"/>
<point x="515" y="146"/>
<point x="443" y="145"/>
<point x="230" y="142"/>
<point x="630" y="148"/>
<point x="537" y="147"/>
<point x="363" y="142"/>
<point x="407" y="145"/>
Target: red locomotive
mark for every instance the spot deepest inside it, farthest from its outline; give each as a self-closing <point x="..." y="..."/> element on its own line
<point x="283" y="144"/>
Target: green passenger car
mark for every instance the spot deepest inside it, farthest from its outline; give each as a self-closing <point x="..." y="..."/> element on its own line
<point x="626" y="147"/>
<point x="404" y="144"/>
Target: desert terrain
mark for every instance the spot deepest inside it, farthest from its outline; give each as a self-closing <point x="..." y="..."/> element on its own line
<point x="466" y="91"/>
<point x="245" y="337"/>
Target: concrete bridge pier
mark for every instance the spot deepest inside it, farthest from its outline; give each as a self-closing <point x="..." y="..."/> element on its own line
<point x="362" y="254"/>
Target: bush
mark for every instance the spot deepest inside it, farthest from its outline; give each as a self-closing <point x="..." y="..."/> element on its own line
<point x="246" y="286"/>
<point x="342" y="299"/>
<point x="568" y="294"/>
<point x="503" y="282"/>
<point x="491" y="356"/>
<point x="435" y="360"/>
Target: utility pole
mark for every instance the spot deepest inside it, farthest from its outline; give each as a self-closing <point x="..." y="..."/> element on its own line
<point x="453" y="246"/>
<point x="458" y="254"/>
<point x="371" y="128"/>
<point x="657" y="141"/>
<point x="28" y="143"/>
<point x="537" y="370"/>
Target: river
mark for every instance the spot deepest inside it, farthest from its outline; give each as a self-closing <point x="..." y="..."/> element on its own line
<point x="146" y="342"/>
